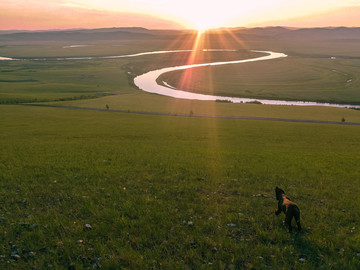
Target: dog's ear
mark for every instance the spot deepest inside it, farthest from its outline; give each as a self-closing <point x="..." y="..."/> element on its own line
<point x="278" y="192"/>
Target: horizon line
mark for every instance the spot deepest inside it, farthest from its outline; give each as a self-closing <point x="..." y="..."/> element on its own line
<point x="180" y="29"/>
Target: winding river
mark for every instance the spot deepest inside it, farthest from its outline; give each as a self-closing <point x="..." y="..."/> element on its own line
<point x="148" y="81"/>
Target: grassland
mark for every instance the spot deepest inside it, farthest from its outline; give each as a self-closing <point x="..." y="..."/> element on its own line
<point x="55" y="80"/>
<point x="171" y="192"/>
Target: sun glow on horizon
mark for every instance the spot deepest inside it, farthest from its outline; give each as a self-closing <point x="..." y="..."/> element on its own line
<point x="163" y="14"/>
<point x="200" y="14"/>
<point x="205" y="21"/>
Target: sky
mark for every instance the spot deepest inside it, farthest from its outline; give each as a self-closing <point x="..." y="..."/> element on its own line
<point x="175" y="14"/>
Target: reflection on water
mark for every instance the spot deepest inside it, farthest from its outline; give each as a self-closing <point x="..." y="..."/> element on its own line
<point x="76" y="46"/>
<point x="99" y="57"/>
<point x="6" y="58"/>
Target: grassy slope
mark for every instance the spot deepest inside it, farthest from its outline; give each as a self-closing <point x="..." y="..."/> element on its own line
<point x="189" y="191"/>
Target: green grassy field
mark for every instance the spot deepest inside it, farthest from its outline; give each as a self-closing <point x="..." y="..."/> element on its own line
<point x="176" y="192"/>
<point x="29" y="81"/>
<point x="173" y="192"/>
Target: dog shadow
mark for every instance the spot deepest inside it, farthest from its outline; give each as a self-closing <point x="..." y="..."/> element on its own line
<point x="308" y="250"/>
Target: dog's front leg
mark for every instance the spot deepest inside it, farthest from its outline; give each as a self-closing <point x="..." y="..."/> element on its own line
<point x="279" y="210"/>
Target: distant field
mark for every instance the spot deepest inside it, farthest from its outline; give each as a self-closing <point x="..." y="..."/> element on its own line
<point x="83" y="79"/>
<point x="308" y="73"/>
<point x="23" y="81"/>
<point x="93" y="83"/>
<point x="173" y="192"/>
<point x="291" y="78"/>
<point x="51" y="79"/>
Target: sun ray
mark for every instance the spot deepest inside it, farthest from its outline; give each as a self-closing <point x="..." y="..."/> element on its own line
<point x="200" y="80"/>
<point x="195" y="56"/>
<point x="237" y="39"/>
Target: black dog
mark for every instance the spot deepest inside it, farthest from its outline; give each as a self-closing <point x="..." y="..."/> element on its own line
<point x="288" y="207"/>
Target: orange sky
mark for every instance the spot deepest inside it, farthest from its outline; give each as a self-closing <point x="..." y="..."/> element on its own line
<point x="36" y="17"/>
<point x="163" y="14"/>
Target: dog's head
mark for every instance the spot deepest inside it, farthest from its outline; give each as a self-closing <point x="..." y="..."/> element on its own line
<point x="278" y="193"/>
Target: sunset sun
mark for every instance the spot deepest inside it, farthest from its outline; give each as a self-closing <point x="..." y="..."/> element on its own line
<point x="204" y="22"/>
<point x="204" y="15"/>
<point x="204" y="19"/>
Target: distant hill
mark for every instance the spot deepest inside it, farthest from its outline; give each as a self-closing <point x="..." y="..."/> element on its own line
<point x="137" y="33"/>
<point x="292" y="33"/>
<point x="79" y="35"/>
<point x="114" y="29"/>
<point x="263" y="31"/>
<point x="324" y="33"/>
